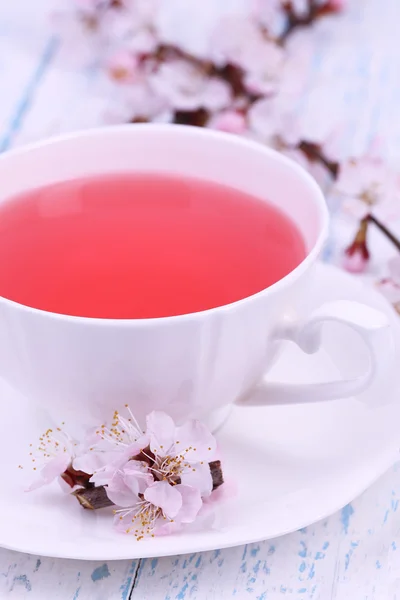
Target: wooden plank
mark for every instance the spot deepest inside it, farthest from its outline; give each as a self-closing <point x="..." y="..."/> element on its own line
<point x="349" y="555"/>
<point x="25" y="576"/>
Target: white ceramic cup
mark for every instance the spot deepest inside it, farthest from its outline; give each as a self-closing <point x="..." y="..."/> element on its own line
<point x="194" y="365"/>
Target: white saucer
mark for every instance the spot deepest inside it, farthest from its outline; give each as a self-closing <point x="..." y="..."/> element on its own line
<point x="290" y="465"/>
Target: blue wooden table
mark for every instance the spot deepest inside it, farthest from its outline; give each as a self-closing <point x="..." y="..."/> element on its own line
<point x="353" y="555"/>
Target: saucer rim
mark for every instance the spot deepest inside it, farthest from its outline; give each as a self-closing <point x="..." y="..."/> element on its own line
<point x="228" y="537"/>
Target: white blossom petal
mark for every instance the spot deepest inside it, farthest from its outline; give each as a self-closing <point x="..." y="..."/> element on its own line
<point x="196" y="442"/>
<point x="161" y="432"/>
<point x="166" y="497"/>
<point x="191" y="503"/>
<point x="120" y="493"/>
<point x="199" y="477"/>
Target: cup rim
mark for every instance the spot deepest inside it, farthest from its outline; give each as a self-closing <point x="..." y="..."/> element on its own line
<point x="311" y="256"/>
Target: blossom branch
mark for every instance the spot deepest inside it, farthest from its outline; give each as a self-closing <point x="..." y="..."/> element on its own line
<point x="386" y="232"/>
<point x="314" y="11"/>
<point x="315" y="153"/>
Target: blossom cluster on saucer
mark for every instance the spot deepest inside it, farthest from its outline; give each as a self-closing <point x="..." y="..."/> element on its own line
<point x="156" y="479"/>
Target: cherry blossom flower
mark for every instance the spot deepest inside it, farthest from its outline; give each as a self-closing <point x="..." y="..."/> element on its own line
<point x="167" y="487"/>
<point x="185" y="86"/>
<point x="109" y="448"/>
<point x="131" y="25"/>
<point x="181" y="453"/>
<point x="242" y="42"/>
<point x="137" y="102"/>
<point x="162" y="508"/>
<point x="368" y="185"/>
<point x="270" y="122"/>
<point x="133" y="478"/>
<point x="52" y="457"/>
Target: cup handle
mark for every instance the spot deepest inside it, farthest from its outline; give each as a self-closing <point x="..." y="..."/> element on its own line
<point x="373" y="327"/>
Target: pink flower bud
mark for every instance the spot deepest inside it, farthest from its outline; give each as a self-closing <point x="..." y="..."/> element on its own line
<point x="230" y="121"/>
<point x="356" y="256"/>
<point x="337" y="5"/>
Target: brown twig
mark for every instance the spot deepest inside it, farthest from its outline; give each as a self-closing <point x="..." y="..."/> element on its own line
<point x="314" y="153"/>
<point x="314" y="12"/>
<point x="93" y="498"/>
<point x="216" y="474"/>
<point x="390" y="236"/>
<point x="359" y="244"/>
<point x="73" y="477"/>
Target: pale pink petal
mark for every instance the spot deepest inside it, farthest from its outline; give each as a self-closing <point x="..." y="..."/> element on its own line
<point x="356" y="208"/>
<point x="104" y="475"/>
<point x="394" y="268"/>
<point x="123" y="523"/>
<point x="230" y="121"/>
<point x="91" y="438"/>
<point x="199" y="477"/>
<point x="264" y="118"/>
<point x="216" y="95"/>
<point x="161" y="432"/>
<point x="390" y="289"/>
<point x="353" y="177"/>
<point x="53" y="469"/>
<point x="166" y="527"/>
<point x="186" y="87"/>
<point x="196" y="442"/>
<point x="191" y="503"/>
<point x="136" y="447"/>
<point x="120" y="493"/>
<point x="166" y="497"/>
<point x="265" y="69"/>
<point x="268" y="119"/>
<point x="93" y="461"/>
<point x="136" y="476"/>
<point x="240" y="41"/>
<point x="259" y="84"/>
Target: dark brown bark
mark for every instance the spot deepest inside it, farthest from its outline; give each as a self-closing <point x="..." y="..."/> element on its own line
<point x="216" y="473"/>
<point x="93" y="498"/>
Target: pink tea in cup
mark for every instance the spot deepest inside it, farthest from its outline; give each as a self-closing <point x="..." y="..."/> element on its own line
<point x="139" y="245"/>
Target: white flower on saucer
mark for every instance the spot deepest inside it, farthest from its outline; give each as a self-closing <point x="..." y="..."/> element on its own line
<point x="181" y="454"/>
<point x="161" y="508"/>
<point x="109" y="448"/>
<point x="157" y="479"/>
<point x="53" y="456"/>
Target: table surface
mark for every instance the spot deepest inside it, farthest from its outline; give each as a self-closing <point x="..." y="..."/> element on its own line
<point x="353" y="555"/>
